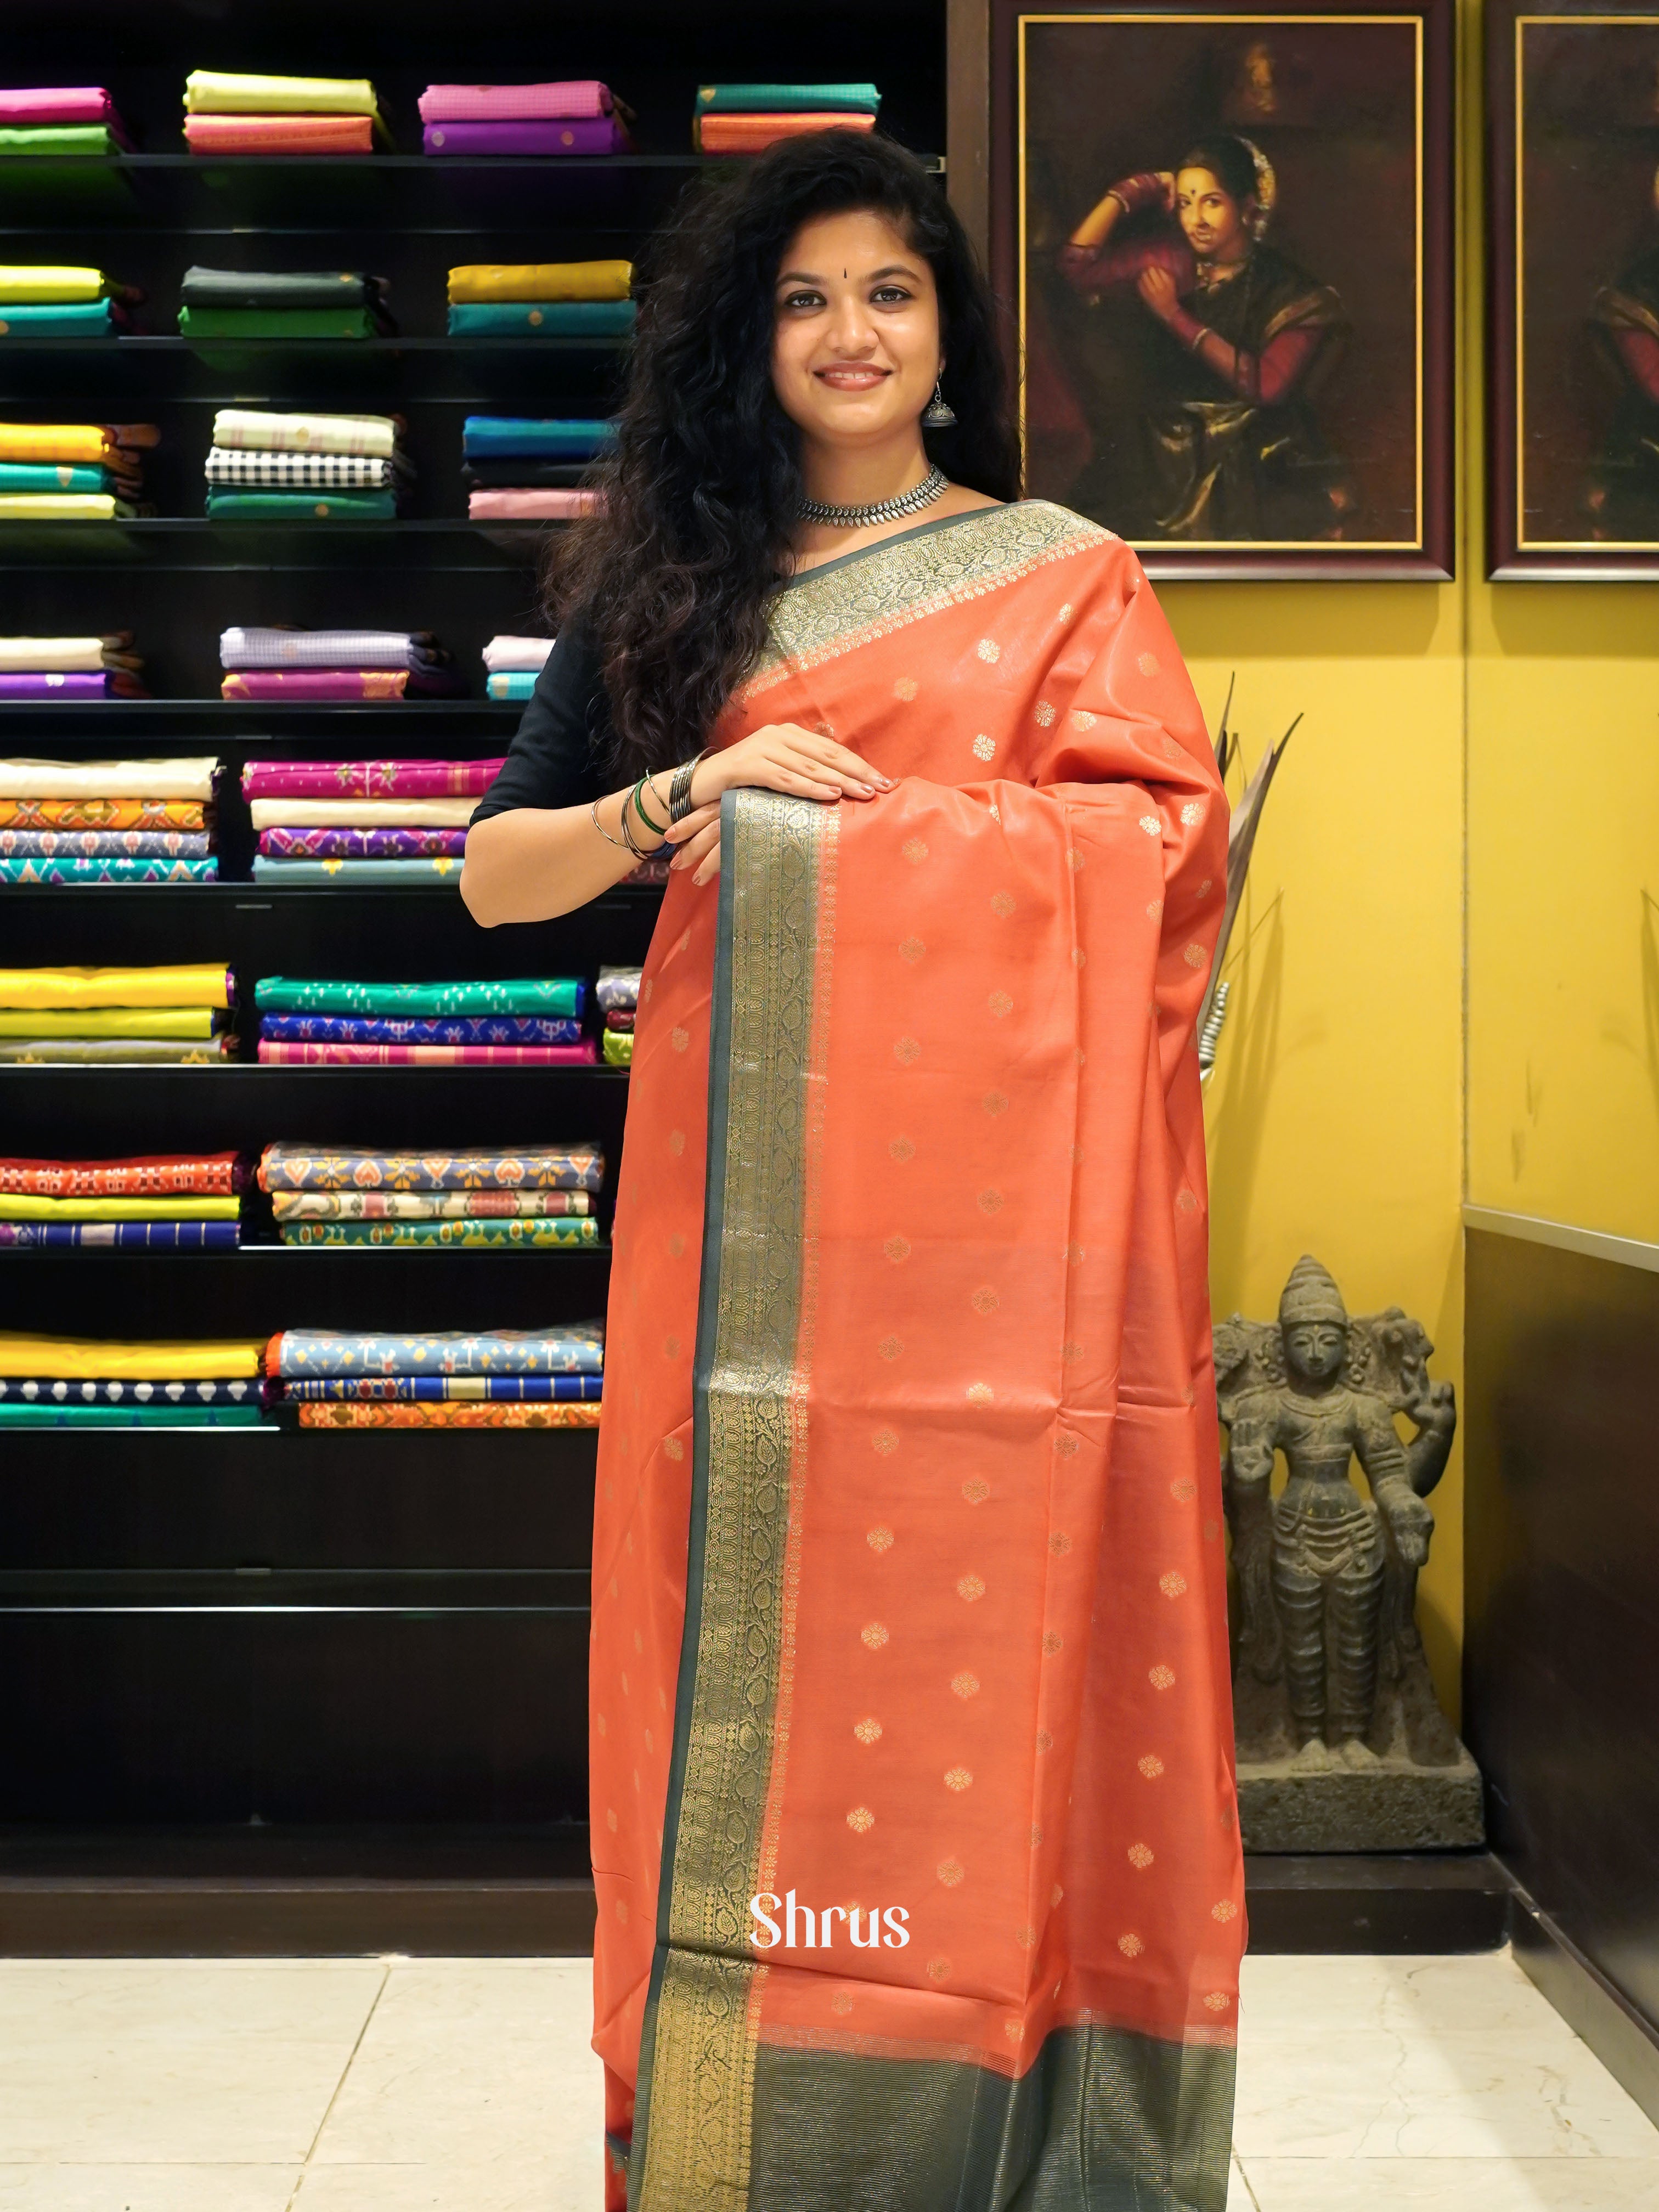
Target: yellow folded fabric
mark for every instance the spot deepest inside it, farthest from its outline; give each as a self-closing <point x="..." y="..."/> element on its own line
<point x="190" y="777"/>
<point x="182" y="1021"/>
<point x="216" y="92"/>
<point x="55" y="441"/>
<point x="540" y="280"/>
<point x="113" y="987"/>
<point x="60" y="506"/>
<point x="117" y="1209"/>
<point x="78" y="1358"/>
<point x="21" y="283"/>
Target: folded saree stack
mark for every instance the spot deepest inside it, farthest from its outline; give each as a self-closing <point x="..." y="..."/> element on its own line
<point x="537" y="1196"/>
<point x="512" y="663"/>
<point x="747" y="118"/>
<point x="82" y="1382"/>
<point x="541" y="298"/>
<point x="53" y="301"/>
<point x="504" y="1379"/>
<point x="362" y="821"/>
<point x="295" y="303"/>
<point x="265" y="466"/>
<point x="126" y="1016"/>
<point x="475" y="120"/>
<point x="108" y="822"/>
<point x="519" y="468"/>
<point x="526" y="1022"/>
<point x="60" y="120"/>
<point x="336" y="663"/>
<point x="153" y="1202"/>
<point x="71" y="668"/>
<point x="238" y="114"/>
<point x="73" y="471"/>
<point x="618" y="994"/>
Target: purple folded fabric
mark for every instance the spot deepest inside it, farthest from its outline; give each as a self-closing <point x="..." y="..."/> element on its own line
<point x="25" y="105"/>
<point x="357" y="845"/>
<point x="18" y="686"/>
<point x="602" y="135"/>
<point x="436" y="1029"/>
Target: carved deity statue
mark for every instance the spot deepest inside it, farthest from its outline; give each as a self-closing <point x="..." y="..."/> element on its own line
<point x="1330" y="1675"/>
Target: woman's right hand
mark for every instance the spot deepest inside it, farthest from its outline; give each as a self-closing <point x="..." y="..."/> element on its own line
<point x="785" y="757"/>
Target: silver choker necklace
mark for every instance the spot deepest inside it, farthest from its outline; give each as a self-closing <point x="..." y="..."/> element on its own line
<point x="931" y="487"/>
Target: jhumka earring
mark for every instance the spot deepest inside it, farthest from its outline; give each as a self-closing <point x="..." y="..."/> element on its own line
<point x="937" y="414"/>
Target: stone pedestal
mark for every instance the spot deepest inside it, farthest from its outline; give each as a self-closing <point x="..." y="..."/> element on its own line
<point x="1393" y="1806"/>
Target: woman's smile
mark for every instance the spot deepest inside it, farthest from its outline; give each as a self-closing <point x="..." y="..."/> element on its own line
<point x="852" y="375"/>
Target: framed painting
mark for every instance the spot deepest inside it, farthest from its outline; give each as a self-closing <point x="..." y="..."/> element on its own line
<point x="1227" y="240"/>
<point x="1572" y="410"/>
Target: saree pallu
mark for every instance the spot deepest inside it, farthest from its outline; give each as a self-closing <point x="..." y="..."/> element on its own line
<point x="104" y="1390"/>
<point x="123" y="1235"/>
<point x="525" y="995"/>
<point x="532" y="1390"/>
<point x="399" y="1415"/>
<point x="427" y="1055"/>
<point x="439" y="1029"/>
<point x="392" y="779"/>
<point x="267" y="871"/>
<point x="103" y="844"/>
<point x="935" y="1407"/>
<point x="59" y="814"/>
<point x="539" y="1233"/>
<point x="425" y="1206"/>
<point x="298" y="1353"/>
<point x="306" y="1167"/>
<point x="296" y="844"/>
<point x="216" y="1174"/>
<point x="109" y="872"/>
<point x="48" y="988"/>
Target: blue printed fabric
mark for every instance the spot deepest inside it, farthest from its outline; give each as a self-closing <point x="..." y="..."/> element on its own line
<point x="123" y="1236"/>
<point x="444" y="1029"/>
<point x="534" y="1389"/>
<point x="300" y="1352"/>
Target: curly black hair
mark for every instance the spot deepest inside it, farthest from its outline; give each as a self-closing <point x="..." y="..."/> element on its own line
<point x="673" y="577"/>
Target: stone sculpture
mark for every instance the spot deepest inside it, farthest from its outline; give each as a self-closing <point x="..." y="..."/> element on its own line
<point x="1342" y="1745"/>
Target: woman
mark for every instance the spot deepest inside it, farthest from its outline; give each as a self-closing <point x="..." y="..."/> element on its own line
<point x="1622" y="496"/>
<point x="913" y="1817"/>
<point x="1241" y="339"/>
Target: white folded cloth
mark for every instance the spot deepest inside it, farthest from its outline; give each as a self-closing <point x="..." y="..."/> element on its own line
<point x="324" y="648"/>
<point x="503" y="655"/>
<point x="362" y="813"/>
<point x="190" y="778"/>
<point x="61" y="656"/>
<point x="259" y="430"/>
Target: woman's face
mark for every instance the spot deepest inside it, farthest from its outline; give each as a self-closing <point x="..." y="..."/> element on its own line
<point x="856" y="349"/>
<point x="1212" y="218"/>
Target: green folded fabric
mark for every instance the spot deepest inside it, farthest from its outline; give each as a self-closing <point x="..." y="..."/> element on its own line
<point x="543" y="319"/>
<point x="532" y="995"/>
<point x="277" y="323"/>
<point x="49" y="476"/>
<point x="537" y="1233"/>
<point x="80" y="319"/>
<point x="82" y="138"/>
<point x="787" y="100"/>
<point x="130" y="1416"/>
<point x="315" y="506"/>
<point x="262" y="289"/>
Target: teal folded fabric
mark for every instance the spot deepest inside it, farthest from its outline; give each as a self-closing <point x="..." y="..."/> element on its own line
<point x="302" y="505"/>
<point x="109" y="872"/>
<point x="438" y="869"/>
<point x="52" y="476"/>
<point x="553" y="438"/>
<point x="81" y="319"/>
<point x="512" y="683"/>
<point x="543" y="319"/>
<point x="787" y="100"/>
<point x="532" y="994"/>
<point x="130" y="1416"/>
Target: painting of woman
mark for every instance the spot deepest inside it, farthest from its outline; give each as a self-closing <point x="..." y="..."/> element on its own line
<point x="1236" y="341"/>
<point x="1623" y="494"/>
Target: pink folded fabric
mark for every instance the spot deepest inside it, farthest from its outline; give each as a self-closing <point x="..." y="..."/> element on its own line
<point x="550" y="505"/>
<point x="25" y="105"/>
<point x="315" y="684"/>
<point x="428" y="1055"/>
<point x="513" y="103"/>
<point x="280" y="134"/>
<point x="397" y="778"/>
<point x="598" y="134"/>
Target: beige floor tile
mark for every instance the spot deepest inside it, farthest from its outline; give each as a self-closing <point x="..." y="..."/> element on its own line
<point x="1239" y="2199"/>
<point x="53" y="2188"/>
<point x="1454" y="2184"/>
<point x="575" y="2185"/>
<point x="174" y="2062"/>
<point x="472" y="2063"/>
<point x="1480" y="1992"/>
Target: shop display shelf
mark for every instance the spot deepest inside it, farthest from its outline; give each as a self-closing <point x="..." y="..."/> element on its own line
<point x="436" y="544"/>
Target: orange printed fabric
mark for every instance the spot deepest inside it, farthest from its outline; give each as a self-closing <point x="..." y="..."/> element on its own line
<point x="446" y="1414"/>
<point x="926" y="1384"/>
<point x="101" y="814"/>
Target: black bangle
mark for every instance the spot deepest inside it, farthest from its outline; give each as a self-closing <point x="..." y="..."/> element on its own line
<point x="679" y="791"/>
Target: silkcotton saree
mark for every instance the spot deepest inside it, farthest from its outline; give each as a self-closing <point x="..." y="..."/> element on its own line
<point x="913" y="1813"/>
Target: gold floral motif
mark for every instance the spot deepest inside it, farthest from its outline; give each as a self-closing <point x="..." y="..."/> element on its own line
<point x="1076" y="1255"/>
<point x="958" y="1779"/>
<point x="621" y="1909"/>
<point x="1001" y="1004"/>
<point x="1205" y="887"/>
<point x="1002" y="904"/>
<point x="885" y="1441"/>
<point x="897" y="1249"/>
<point x="1226" y="1911"/>
<point x="965" y="1685"/>
<point x="1151" y="1765"/>
<point x="1147" y="663"/>
<point x="611" y="1819"/>
<point x="1036" y="1836"/>
<point x="840" y="2002"/>
<point x="1014" y="2030"/>
<point x="995" y="1102"/>
<point x="971" y="1589"/>
<point x="1140" y="1857"/>
<point x="650" y="1741"/>
<point x="601" y="1724"/>
<point x="890" y="1347"/>
<point x="1026" y="1938"/>
<point x="1193" y="812"/>
<point x="912" y="949"/>
<point x="1151" y="825"/>
<point x="860" y="1820"/>
<point x="1079" y="958"/>
<point x="975" y="1490"/>
<point x="988" y="651"/>
<point x="1186" y="1201"/>
<point x="1173" y="1585"/>
<point x="901" y="1149"/>
<point x="1044" y="1741"/>
<point x="985" y="748"/>
<point x="1131" y="1946"/>
<point x="906" y="1051"/>
<point x="914" y="851"/>
<point x="1218" y="2001"/>
<point x="1073" y="859"/>
<point x="880" y="1538"/>
<point x="1067" y="1446"/>
<point x="1155" y="911"/>
<point x="676" y="1142"/>
<point x="1072" y="1354"/>
<point x="1196" y="955"/>
<point x="985" y="1300"/>
<point x="679" y="1039"/>
<point x="1053" y="1642"/>
<point x="1084" y="719"/>
<point x="906" y="687"/>
<point x="939" y="1970"/>
<point x="1161" y="1677"/>
<point x="1059" y="1543"/>
<point x="990" y="1202"/>
<point x="1054" y="1897"/>
<point x="981" y="1393"/>
<point x="1183" y="1489"/>
<point x="873" y="1633"/>
<point x="1045" y="716"/>
<point x="673" y="1447"/>
<point x="670" y="1345"/>
<point x="676" y="1246"/>
<point x="951" y="1872"/>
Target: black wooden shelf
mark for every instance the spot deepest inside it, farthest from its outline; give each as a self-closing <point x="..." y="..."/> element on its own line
<point x="437" y="545"/>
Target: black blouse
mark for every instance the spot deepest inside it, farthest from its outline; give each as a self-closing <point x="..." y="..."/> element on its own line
<point x="563" y="739"/>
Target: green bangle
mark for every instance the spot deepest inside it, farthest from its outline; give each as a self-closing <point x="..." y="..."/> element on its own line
<point x="658" y="828"/>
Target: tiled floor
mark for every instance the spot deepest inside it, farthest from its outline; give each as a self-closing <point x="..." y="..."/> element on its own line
<point x="1442" y="2085"/>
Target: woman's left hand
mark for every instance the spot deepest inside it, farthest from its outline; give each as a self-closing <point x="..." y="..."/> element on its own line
<point x="697" y="836"/>
<point x="1157" y="290"/>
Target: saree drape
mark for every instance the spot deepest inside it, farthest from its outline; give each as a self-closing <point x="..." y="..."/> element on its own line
<point x="909" y="1592"/>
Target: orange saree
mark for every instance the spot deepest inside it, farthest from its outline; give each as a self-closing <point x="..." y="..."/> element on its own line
<point x="913" y="1830"/>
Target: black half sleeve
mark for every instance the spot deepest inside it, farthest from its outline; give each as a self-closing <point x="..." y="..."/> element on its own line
<point x="562" y="738"/>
